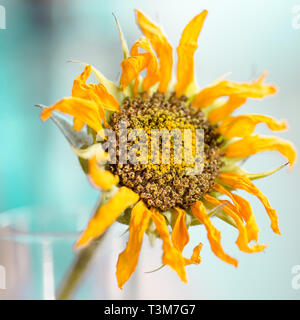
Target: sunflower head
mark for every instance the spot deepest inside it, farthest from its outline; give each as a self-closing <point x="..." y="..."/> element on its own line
<point x="156" y="189"/>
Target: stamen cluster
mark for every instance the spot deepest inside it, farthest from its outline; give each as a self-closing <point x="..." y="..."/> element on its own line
<point x="165" y="186"/>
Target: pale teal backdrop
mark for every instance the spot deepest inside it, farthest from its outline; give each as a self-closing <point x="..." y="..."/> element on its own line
<point x="37" y="166"/>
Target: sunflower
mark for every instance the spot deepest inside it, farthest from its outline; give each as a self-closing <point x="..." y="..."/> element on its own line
<point x="160" y="199"/>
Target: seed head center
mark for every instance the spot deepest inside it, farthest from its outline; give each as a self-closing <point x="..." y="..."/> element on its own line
<point x="166" y="184"/>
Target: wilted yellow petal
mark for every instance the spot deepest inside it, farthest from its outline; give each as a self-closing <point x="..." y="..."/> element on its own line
<point x="131" y="69"/>
<point x="242" y="240"/>
<point x="180" y="235"/>
<point x="128" y="259"/>
<point x="101" y="178"/>
<point x="132" y="66"/>
<point x="162" y="48"/>
<point x="107" y="214"/>
<point x="237" y="181"/>
<point x="106" y="100"/>
<point x="247" y="214"/>
<point x="213" y="234"/>
<point x="244" y="125"/>
<point x="152" y="75"/>
<point x="185" y="51"/>
<point x="94" y="92"/>
<point x="244" y="211"/>
<point x="112" y="88"/>
<point x="171" y="255"/>
<point x="195" y="258"/>
<point x="78" y="124"/>
<point x="226" y="109"/>
<point x="227" y="88"/>
<point x="79" y="84"/>
<point x="84" y="110"/>
<point x="251" y="145"/>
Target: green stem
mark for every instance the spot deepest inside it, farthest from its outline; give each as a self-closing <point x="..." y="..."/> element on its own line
<point x="77" y="271"/>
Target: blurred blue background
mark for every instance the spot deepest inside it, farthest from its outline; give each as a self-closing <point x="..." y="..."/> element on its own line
<point x="37" y="167"/>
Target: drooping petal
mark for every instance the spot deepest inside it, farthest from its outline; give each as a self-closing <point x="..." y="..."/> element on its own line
<point x="247" y="215"/>
<point x="180" y="235"/>
<point x="84" y="110"/>
<point x="185" y="51"/>
<point x="244" y="125"/>
<point x="242" y="240"/>
<point x="171" y="255"/>
<point x="237" y="181"/>
<point x="101" y="178"/>
<point x="256" y="89"/>
<point x="195" y="258"/>
<point x="251" y="145"/>
<point x="244" y="211"/>
<point x="107" y="214"/>
<point x="128" y="259"/>
<point x="226" y="192"/>
<point x="213" y="234"/>
<point x="162" y="48"/>
<point x="233" y="103"/>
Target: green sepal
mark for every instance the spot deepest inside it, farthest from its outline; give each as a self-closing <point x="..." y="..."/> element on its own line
<point x="123" y="40"/>
<point x="77" y="139"/>
<point x="255" y="176"/>
<point x="84" y="165"/>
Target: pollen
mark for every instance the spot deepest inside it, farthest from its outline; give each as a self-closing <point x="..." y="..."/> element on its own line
<point x="166" y="185"/>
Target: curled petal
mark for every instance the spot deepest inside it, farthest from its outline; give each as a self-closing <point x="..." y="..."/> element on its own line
<point x="233" y="103"/>
<point x="227" y="88"/>
<point x="128" y="259"/>
<point x="171" y="255"/>
<point x="101" y="178"/>
<point x="244" y="211"/>
<point x="213" y="234"/>
<point x="185" y="51"/>
<point x="79" y="84"/>
<point x="180" y="235"/>
<point x="247" y="215"/>
<point x="109" y="85"/>
<point x="244" y="125"/>
<point x="242" y="240"/>
<point x="94" y="92"/>
<point x="137" y="63"/>
<point x="226" y="192"/>
<point x="131" y="69"/>
<point x="105" y="99"/>
<point x="238" y="181"/>
<point x="162" y="48"/>
<point x="152" y="75"/>
<point x="84" y="110"/>
<point x="107" y="214"/>
<point x="79" y="92"/>
<point x="195" y="258"/>
<point x="251" y="145"/>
